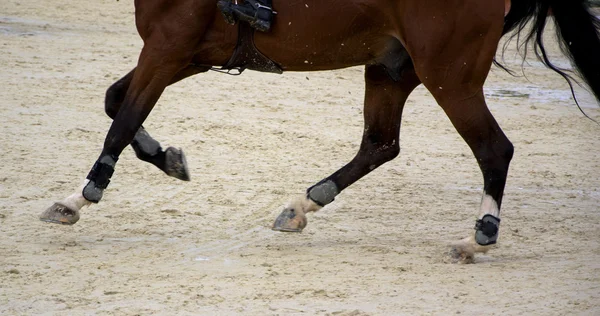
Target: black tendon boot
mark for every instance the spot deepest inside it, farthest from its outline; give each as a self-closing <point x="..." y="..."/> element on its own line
<point x="258" y="13"/>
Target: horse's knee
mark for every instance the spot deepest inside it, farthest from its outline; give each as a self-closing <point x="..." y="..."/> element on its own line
<point x="112" y="101"/>
<point x="508" y="151"/>
<point x="115" y="95"/>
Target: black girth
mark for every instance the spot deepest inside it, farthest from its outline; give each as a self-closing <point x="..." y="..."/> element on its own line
<point x="247" y="56"/>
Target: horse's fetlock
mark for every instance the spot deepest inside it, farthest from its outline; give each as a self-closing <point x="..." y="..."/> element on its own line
<point x="323" y="193"/>
<point x="487" y="230"/>
<point x="99" y="178"/>
<point x="92" y="192"/>
<point x="145" y="146"/>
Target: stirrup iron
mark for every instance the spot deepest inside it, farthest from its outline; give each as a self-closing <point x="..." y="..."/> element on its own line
<point x="259" y="15"/>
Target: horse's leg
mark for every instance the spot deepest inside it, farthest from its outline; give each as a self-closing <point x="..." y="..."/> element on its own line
<point x="493" y="152"/>
<point x="384" y="102"/>
<point x="157" y="67"/>
<point x="453" y="66"/>
<point x="171" y="160"/>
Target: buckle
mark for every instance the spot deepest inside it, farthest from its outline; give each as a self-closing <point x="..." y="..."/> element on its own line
<point x="260" y="6"/>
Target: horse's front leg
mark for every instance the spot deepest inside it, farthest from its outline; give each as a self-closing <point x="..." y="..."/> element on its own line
<point x="148" y="81"/>
<point x="384" y="102"/>
<point x="171" y="160"/>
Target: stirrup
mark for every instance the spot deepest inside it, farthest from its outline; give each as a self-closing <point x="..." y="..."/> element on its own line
<point x="263" y="16"/>
<point x="257" y="14"/>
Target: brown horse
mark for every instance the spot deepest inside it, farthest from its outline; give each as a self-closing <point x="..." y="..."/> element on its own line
<point x="446" y="45"/>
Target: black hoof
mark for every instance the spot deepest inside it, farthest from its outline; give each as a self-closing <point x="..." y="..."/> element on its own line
<point x="176" y="165"/>
<point x="60" y="214"/>
<point x="290" y="221"/>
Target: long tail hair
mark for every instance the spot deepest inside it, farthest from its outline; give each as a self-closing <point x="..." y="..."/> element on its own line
<point x="576" y="28"/>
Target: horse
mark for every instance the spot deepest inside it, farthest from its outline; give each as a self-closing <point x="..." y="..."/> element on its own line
<point x="448" y="46"/>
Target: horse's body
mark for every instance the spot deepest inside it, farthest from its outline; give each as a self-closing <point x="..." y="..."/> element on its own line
<point x="363" y="33"/>
<point x="447" y="45"/>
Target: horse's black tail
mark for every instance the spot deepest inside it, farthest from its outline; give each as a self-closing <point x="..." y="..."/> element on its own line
<point x="576" y="28"/>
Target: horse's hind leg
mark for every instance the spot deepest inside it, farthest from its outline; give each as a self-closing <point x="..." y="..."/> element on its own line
<point x="455" y="78"/>
<point x="171" y="160"/>
<point x="493" y="152"/>
<point x="384" y="102"/>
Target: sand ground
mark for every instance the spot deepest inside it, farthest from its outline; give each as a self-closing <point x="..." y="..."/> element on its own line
<point x="155" y="245"/>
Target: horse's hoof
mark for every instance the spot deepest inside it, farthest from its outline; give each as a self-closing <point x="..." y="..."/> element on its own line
<point x="290" y="221"/>
<point x="60" y="214"/>
<point x="456" y="255"/>
<point x="176" y="165"/>
<point x="460" y="252"/>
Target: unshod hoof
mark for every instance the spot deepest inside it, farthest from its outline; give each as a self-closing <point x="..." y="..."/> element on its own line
<point x="176" y="165"/>
<point x="290" y="221"/>
<point x="458" y="254"/>
<point x="60" y="214"/>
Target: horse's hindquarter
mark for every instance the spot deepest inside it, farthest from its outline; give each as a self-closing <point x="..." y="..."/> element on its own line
<point x="322" y="35"/>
